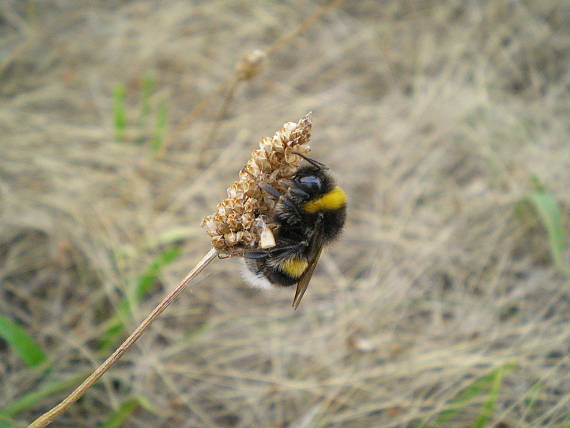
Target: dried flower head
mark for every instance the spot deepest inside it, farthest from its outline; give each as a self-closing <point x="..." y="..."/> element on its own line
<point x="250" y="65"/>
<point x="243" y="220"/>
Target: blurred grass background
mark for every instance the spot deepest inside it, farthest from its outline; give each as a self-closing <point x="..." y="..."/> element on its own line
<point x="446" y="303"/>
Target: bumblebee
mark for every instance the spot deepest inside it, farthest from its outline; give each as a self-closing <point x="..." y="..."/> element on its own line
<point x="309" y="215"/>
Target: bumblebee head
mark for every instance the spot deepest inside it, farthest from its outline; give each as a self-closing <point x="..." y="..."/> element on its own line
<point x="314" y="188"/>
<point x="312" y="181"/>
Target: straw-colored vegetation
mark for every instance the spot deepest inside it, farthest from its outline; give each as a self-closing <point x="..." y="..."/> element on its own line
<point x="446" y="303"/>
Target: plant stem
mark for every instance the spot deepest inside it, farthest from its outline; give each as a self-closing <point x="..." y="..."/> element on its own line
<point x="50" y="415"/>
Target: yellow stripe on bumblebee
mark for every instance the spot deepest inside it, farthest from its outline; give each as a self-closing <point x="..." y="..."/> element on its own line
<point x="294" y="267"/>
<point x="333" y="200"/>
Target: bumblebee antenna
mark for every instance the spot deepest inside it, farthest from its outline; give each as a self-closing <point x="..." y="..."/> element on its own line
<point x="313" y="162"/>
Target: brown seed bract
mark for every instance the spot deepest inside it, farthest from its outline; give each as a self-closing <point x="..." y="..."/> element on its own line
<point x="246" y="213"/>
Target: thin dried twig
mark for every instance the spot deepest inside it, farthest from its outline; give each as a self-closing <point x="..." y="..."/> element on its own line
<point x="50" y="415"/>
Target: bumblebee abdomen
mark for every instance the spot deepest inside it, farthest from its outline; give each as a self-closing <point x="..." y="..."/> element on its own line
<point x="294" y="267"/>
<point x="279" y="277"/>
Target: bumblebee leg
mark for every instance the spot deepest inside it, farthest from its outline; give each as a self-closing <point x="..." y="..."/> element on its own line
<point x="261" y="254"/>
<point x="299" y="192"/>
<point x="271" y="190"/>
<point x="255" y="254"/>
<point x="282" y="248"/>
<point x="290" y="204"/>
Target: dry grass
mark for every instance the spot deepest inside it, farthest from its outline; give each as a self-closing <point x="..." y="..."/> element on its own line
<point x="433" y="115"/>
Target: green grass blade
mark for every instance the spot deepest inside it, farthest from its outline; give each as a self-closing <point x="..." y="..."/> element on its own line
<point x="489" y="406"/>
<point x="160" y="129"/>
<point x="31" y="399"/>
<point x="149" y="277"/>
<point x="142" y="286"/>
<point x="549" y="213"/>
<point x="127" y="407"/>
<point x="6" y="422"/>
<point x="463" y="399"/>
<point x="119" y="112"/>
<point x="532" y="397"/>
<point x="27" y="349"/>
<point x="147" y="90"/>
<point x="171" y="236"/>
<point x="118" y="417"/>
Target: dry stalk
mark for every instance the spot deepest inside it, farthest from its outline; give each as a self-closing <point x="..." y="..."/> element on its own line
<point x="50" y="415"/>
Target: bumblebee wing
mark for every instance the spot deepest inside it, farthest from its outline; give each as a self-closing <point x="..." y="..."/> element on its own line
<point x="316" y="249"/>
<point x="305" y="278"/>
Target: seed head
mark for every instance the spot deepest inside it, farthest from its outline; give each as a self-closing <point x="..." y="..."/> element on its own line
<point x="250" y="65"/>
<point x="244" y="219"/>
